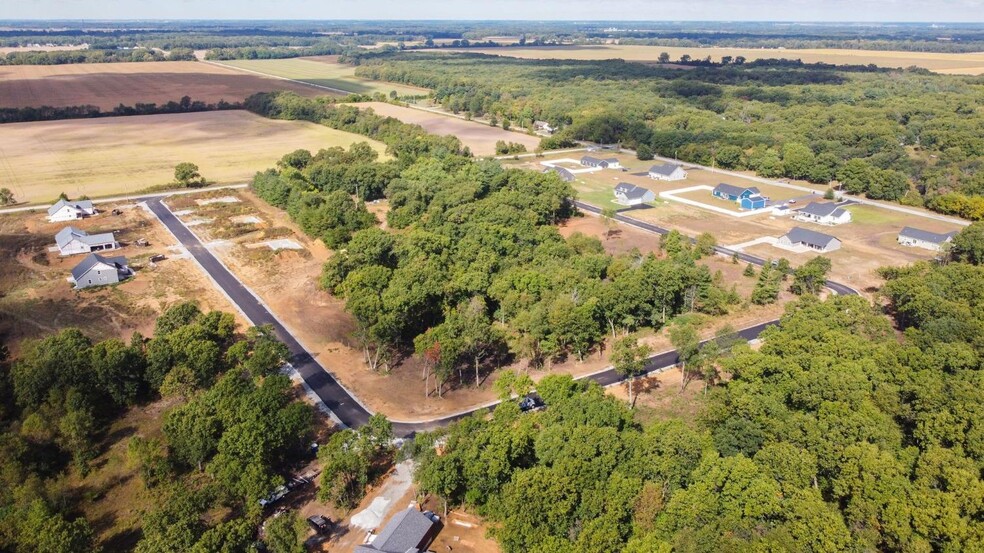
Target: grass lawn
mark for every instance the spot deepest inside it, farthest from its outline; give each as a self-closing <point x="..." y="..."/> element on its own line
<point x="866" y="215"/>
<point x="124" y="155"/>
<point x="323" y="73"/>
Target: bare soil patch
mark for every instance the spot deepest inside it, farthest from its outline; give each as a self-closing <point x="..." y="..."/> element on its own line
<point x="107" y="85"/>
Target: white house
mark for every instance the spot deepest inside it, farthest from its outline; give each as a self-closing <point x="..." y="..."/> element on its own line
<point x="823" y="213"/>
<point x="68" y="210"/>
<point x="613" y="163"/>
<point x="544" y="127"/>
<point x="630" y="194"/>
<point x="925" y="239"/>
<point x="811" y="239"/>
<point x="72" y="241"/>
<point x="667" y="171"/>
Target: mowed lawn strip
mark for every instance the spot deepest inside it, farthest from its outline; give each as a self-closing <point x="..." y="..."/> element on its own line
<point x="967" y="64"/>
<point x="107" y="85"/>
<point x="124" y="155"/>
<point x="322" y="72"/>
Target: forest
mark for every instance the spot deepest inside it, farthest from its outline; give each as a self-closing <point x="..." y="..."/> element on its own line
<point x="94" y="55"/>
<point x="838" y="434"/>
<point x="907" y="136"/>
<point x="231" y="431"/>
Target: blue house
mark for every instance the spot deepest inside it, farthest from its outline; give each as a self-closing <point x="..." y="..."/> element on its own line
<point x="734" y="193"/>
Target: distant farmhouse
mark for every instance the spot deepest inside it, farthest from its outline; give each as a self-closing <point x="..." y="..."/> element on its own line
<point x="544" y="127"/>
<point x="823" y="213"/>
<point x="925" y="239"/>
<point x="410" y="531"/>
<point x="72" y="241"/>
<point x="96" y="270"/>
<point x="811" y="239"/>
<point x="564" y="174"/>
<point x="630" y="194"/>
<point x="608" y="163"/>
<point x="67" y="210"/>
<point x="667" y="171"/>
<point x="746" y="198"/>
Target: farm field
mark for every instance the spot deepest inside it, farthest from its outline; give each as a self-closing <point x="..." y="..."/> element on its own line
<point x="321" y="71"/>
<point x="480" y="138"/>
<point x="965" y="64"/>
<point x="107" y="85"/>
<point x="117" y="155"/>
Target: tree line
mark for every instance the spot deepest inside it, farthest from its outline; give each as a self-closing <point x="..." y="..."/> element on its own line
<point x="95" y="55"/>
<point x="224" y="446"/>
<point x="837" y="434"/>
<point x="50" y="113"/>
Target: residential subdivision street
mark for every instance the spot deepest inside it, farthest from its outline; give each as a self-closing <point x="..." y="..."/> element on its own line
<point x="346" y="408"/>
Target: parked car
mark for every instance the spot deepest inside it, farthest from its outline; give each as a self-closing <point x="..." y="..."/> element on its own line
<point x="275" y="496"/>
<point x="156" y="258"/>
<point x="531" y="402"/>
<point x="320" y="524"/>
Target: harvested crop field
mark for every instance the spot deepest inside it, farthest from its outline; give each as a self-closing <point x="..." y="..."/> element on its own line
<point x="480" y="138"/>
<point x="965" y="64"/>
<point x="117" y="155"/>
<point x="107" y="85"/>
<point x="322" y="71"/>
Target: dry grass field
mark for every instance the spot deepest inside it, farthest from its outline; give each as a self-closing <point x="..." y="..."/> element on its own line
<point x="117" y="155"/>
<point x="966" y="64"/>
<point x="477" y="136"/>
<point x="322" y="71"/>
<point x="107" y="85"/>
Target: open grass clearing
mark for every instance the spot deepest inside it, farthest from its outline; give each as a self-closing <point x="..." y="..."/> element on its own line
<point x="107" y="85"/>
<point x="124" y="155"/>
<point x="968" y="64"/>
<point x="479" y="138"/>
<point x="322" y="71"/>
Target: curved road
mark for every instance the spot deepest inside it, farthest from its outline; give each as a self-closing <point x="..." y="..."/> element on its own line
<point x="342" y="403"/>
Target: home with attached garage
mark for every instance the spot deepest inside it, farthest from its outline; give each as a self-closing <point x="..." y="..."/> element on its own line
<point x="70" y="210"/>
<point x="73" y="241"/>
<point x="925" y="239"/>
<point x="630" y="194"/>
<point x="823" y="213"/>
<point x="746" y="197"/>
<point x="409" y="531"/>
<point x="667" y="171"/>
<point x="96" y="270"/>
<point x="814" y="240"/>
<point x="564" y="174"/>
<point x="607" y="163"/>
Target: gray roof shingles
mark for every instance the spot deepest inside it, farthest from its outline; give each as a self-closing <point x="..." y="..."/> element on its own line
<point x="799" y="235"/>
<point x="69" y="233"/>
<point x="822" y="209"/>
<point x="405" y="532"/>
<point x="92" y="259"/>
<point x="630" y="191"/>
<point x="665" y="169"/>
<point x="736" y="191"/>
<point x="926" y="236"/>
<point x="79" y="204"/>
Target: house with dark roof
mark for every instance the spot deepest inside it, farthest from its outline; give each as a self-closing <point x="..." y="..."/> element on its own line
<point x="630" y="194"/>
<point x="667" y="171"/>
<point x="589" y="161"/>
<point x="823" y="213"/>
<point x="68" y="210"/>
<point x="925" y="239"/>
<point x="734" y="193"/>
<point x="564" y="174"/>
<point x="409" y="531"/>
<point x="812" y="239"/>
<point x="96" y="270"/>
<point x="72" y="241"/>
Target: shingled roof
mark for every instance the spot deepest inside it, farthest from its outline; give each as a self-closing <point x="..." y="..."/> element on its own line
<point x="69" y="233"/>
<point x="799" y="235"/>
<point x="92" y="260"/>
<point x="405" y="532"/>
<point x="665" y="169"/>
<point x="926" y="236"/>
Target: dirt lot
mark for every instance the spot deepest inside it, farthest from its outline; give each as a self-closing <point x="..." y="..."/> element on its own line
<point x="967" y="64"/>
<point x="480" y="138"/>
<point x="320" y="322"/>
<point x="116" y="155"/>
<point x="35" y="298"/>
<point x="107" y="85"/>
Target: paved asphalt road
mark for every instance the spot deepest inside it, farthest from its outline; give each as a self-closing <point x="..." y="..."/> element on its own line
<point x="345" y="407"/>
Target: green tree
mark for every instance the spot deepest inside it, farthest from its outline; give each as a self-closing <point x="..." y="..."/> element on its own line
<point x="749" y="270"/>
<point x="629" y="359"/>
<point x="345" y="470"/>
<point x="810" y="277"/>
<point x="968" y="244"/>
<point x="6" y="197"/>
<point x="686" y="342"/>
<point x="285" y="533"/>
<point x="186" y="174"/>
<point x="705" y="244"/>
<point x="644" y="152"/>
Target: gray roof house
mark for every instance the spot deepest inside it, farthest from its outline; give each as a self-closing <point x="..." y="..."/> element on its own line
<point x="71" y="241"/>
<point x="824" y="213"/>
<point x="734" y="193"/>
<point x="565" y="175"/>
<point x="630" y="194"/>
<point x="589" y="161"/>
<point x="69" y="210"/>
<point x="410" y="531"/>
<point x="918" y="238"/>
<point x="667" y="171"/>
<point x="96" y="270"/>
<point x="819" y="241"/>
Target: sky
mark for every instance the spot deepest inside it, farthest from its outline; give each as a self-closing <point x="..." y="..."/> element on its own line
<point x="623" y="10"/>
